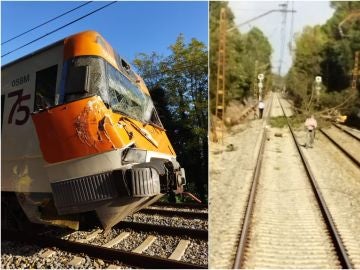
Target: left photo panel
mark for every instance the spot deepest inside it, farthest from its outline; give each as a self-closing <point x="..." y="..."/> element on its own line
<point x="104" y="134"/>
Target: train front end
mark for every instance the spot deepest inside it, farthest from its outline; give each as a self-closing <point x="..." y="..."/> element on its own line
<point x="105" y="147"/>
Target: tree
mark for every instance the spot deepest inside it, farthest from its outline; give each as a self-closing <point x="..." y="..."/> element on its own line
<point x="179" y="87"/>
<point x="306" y="65"/>
<point x="235" y="74"/>
<point x="242" y="51"/>
<point x="256" y="56"/>
<point x="149" y="66"/>
<point x="323" y="50"/>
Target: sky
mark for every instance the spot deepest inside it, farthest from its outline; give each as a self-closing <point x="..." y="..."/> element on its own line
<point x="129" y="27"/>
<point x="307" y="13"/>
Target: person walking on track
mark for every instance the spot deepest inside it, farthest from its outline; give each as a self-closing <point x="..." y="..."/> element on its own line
<point x="261" y="108"/>
<point x="311" y="126"/>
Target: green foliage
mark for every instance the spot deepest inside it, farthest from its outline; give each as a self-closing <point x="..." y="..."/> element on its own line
<point x="256" y="59"/>
<point x="233" y="43"/>
<point x="242" y="51"/>
<point x="323" y="51"/>
<point x="342" y="101"/>
<point x="335" y="65"/>
<point x="149" y="66"/>
<point x="179" y="87"/>
<point x="298" y="121"/>
<point x="308" y="47"/>
<point x="278" y="122"/>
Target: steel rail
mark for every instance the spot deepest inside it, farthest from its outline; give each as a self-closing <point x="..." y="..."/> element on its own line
<point x="251" y="199"/>
<point x="107" y="254"/>
<point x="339" y="246"/>
<point x="342" y="149"/>
<point x="347" y="132"/>
<point x="161" y="229"/>
<point x="172" y="213"/>
<point x="182" y="205"/>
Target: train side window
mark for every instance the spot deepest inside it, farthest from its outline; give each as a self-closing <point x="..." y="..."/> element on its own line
<point x="45" y="88"/>
<point x="78" y="81"/>
<point x="125" y="65"/>
<point x="2" y="108"/>
<point x="85" y="76"/>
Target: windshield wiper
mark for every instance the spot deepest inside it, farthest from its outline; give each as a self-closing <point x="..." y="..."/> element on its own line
<point x="142" y="131"/>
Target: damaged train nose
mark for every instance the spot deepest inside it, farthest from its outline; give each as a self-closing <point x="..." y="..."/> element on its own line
<point x="95" y="143"/>
<point x="147" y="182"/>
<point x="147" y="179"/>
<point x="119" y="193"/>
<point x="94" y="165"/>
<point x="164" y="175"/>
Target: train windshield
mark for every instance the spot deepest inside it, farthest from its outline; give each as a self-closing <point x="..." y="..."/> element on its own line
<point x="90" y="75"/>
<point x="125" y="97"/>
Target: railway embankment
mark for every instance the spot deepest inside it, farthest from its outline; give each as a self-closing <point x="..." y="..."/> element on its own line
<point x="287" y="225"/>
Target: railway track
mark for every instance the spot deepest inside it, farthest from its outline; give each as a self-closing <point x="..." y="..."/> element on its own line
<point x="343" y="129"/>
<point x="287" y="222"/>
<point x="231" y="167"/>
<point x="129" y="244"/>
<point x="345" y="143"/>
<point x="338" y="177"/>
<point x="181" y="205"/>
<point x="173" y="212"/>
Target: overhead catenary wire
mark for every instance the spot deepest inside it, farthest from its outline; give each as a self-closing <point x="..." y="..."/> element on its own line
<point x="59" y="28"/>
<point x="258" y="17"/>
<point x="44" y="23"/>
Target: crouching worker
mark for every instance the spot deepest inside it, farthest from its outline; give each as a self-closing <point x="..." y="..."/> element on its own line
<point x="311" y="126"/>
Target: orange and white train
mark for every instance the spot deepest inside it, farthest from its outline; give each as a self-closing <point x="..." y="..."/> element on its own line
<point x="80" y="134"/>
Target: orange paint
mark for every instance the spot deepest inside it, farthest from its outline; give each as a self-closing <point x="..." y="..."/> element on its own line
<point x="86" y="127"/>
<point x="92" y="43"/>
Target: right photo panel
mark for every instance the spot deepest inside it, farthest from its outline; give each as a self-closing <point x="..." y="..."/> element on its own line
<point x="284" y="134"/>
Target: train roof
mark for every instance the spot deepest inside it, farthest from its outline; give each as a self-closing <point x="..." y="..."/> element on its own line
<point x="33" y="53"/>
<point x="88" y="43"/>
<point x="84" y="43"/>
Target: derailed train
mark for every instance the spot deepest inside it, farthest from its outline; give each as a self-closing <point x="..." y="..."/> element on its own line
<point x="80" y="134"/>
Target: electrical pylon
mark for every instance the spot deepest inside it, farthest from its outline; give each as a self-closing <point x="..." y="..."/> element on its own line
<point x="220" y="83"/>
<point x="284" y="12"/>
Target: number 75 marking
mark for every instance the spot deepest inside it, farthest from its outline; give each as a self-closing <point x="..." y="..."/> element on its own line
<point x="18" y="107"/>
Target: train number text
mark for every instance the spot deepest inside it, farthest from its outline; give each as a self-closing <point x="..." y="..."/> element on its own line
<point x="21" y="80"/>
<point x="18" y="107"/>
